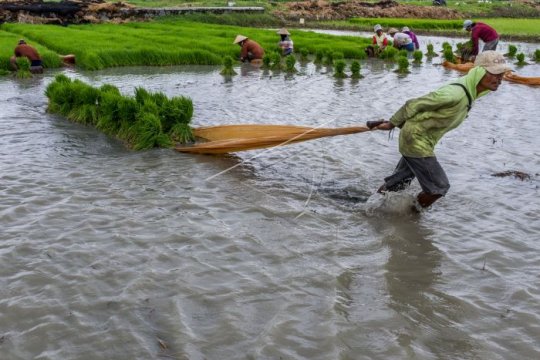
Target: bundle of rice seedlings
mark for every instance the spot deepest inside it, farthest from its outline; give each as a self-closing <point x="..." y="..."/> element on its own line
<point x="340" y="69"/>
<point x="446" y="45"/>
<point x="227" y="69"/>
<point x="329" y="59"/>
<point x="182" y="133"/>
<point x="449" y="55"/>
<point x="318" y="57"/>
<point x="536" y="56"/>
<point x="355" y="70"/>
<point x="389" y="53"/>
<point x="174" y="111"/>
<point x="430" y="51"/>
<point x="147" y="132"/>
<point x="403" y="52"/>
<point x="512" y="51"/>
<point x="417" y="55"/>
<point x="403" y="65"/>
<point x="290" y="61"/>
<point x="276" y="61"/>
<point x="4" y="72"/>
<point x="23" y="68"/>
<point x="304" y="53"/>
<point x="521" y="59"/>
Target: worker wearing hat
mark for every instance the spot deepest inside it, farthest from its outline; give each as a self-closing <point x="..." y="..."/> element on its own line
<point x="484" y="32"/>
<point x="286" y="44"/>
<point x="251" y="50"/>
<point x="378" y="43"/>
<point x="425" y="120"/>
<point x="24" y="50"/>
<point x="401" y="40"/>
<point x="412" y="35"/>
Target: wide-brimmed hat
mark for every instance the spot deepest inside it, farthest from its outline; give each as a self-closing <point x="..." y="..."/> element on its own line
<point x="239" y="38"/>
<point x="392" y="31"/>
<point x="492" y="61"/>
<point x="283" y="31"/>
<point x="377" y="28"/>
<point x="405" y="28"/>
<point x="467" y="24"/>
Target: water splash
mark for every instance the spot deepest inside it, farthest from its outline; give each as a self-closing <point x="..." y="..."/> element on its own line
<point x="400" y="203"/>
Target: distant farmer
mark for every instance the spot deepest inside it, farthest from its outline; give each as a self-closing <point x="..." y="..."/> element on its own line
<point x="483" y="32"/>
<point x="379" y="42"/>
<point x="401" y="40"/>
<point x="423" y="122"/>
<point x="413" y="37"/>
<point x="286" y="44"/>
<point x="250" y="49"/>
<point x="24" y="50"/>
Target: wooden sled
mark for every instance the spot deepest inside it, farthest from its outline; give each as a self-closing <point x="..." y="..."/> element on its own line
<point x="515" y="78"/>
<point x="233" y="138"/>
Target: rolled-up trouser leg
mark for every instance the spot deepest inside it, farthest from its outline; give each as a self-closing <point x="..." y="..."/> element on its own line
<point x="401" y="178"/>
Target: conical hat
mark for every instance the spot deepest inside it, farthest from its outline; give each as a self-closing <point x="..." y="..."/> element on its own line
<point x="283" y="31"/>
<point x="239" y="38"/>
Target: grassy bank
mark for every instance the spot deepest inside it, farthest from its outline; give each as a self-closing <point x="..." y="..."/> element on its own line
<point x="168" y="42"/>
<point x="143" y="121"/>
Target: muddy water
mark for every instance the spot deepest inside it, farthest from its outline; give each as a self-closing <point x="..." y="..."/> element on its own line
<point x="113" y="254"/>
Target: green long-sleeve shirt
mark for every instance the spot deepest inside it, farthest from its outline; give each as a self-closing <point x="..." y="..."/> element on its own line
<point x="424" y="120"/>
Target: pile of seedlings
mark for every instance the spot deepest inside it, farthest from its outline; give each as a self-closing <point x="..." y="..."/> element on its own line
<point x="144" y="121"/>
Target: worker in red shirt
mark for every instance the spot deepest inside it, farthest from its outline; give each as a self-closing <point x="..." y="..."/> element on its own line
<point x="483" y="32"/>
<point x="251" y="50"/>
<point x="24" y="50"/>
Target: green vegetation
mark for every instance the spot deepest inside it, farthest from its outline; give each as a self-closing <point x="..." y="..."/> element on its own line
<point x="340" y="69"/>
<point x="318" y="57"/>
<point x="417" y="55"/>
<point x="521" y="59"/>
<point x="536" y="56"/>
<point x="275" y="59"/>
<point x="512" y="51"/>
<point x="228" y="67"/>
<point x="355" y="70"/>
<point x="23" y="68"/>
<point x="430" y="51"/>
<point x="167" y="42"/>
<point x="389" y="53"/>
<point x="449" y="55"/>
<point x="304" y="53"/>
<point x="8" y="42"/>
<point x="403" y="65"/>
<point x="290" y="61"/>
<point x="144" y="121"/>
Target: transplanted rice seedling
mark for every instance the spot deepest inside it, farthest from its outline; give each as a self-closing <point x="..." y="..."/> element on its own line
<point x="228" y="67"/>
<point x="449" y="55"/>
<point x="430" y="52"/>
<point x="4" y="72"/>
<point x="304" y="53"/>
<point x="521" y="59"/>
<point x="389" y="53"/>
<point x="417" y="55"/>
<point x="318" y="57"/>
<point x="536" y="56"/>
<point x="276" y="61"/>
<point x="403" y="52"/>
<point x="144" y="121"/>
<point x="267" y="60"/>
<point x="23" y="68"/>
<point x="290" y="61"/>
<point x="512" y="51"/>
<point x="446" y="45"/>
<point x="403" y="65"/>
<point x="340" y="69"/>
<point x="355" y="70"/>
<point x="329" y="59"/>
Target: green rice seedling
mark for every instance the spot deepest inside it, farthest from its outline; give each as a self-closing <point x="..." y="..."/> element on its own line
<point x="147" y="132"/>
<point x="446" y="45"/>
<point x="276" y="61"/>
<point x="290" y="63"/>
<point x="430" y="51"/>
<point x="178" y="110"/>
<point x="403" y="52"/>
<point x="227" y="69"/>
<point x="355" y="70"/>
<point x="329" y="59"/>
<point x="449" y="55"/>
<point x="389" y="53"/>
<point x="23" y="68"/>
<point x="338" y="55"/>
<point x="536" y="56"/>
<point x="304" y="53"/>
<point x="182" y="133"/>
<point x="267" y="60"/>
<point x="521" y="59"/>
<point x="340" y="69"/>
<point x="318" y="57"/>
<point x="417" y="56"/>
<point x="4" y="72"/>
<point x="84" y="114"/>
<point x="512" y="51"/>
<point x="108" y="88"/>
<point x="403" y="65"/>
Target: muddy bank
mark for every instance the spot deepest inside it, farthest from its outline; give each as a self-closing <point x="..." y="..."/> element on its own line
<point x="95" y="11"/>
<point x="325" y="10"/>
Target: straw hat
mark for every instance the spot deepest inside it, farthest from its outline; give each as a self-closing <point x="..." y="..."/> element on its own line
<point x="392" y="31"/>
<point x="283" y="31"/>
<point x="377" y="28"/>
<point x="467" y="24"/>
<point x="405" y="28"/>
<point x="239" y="38"/>
<point x="492" y="61"/>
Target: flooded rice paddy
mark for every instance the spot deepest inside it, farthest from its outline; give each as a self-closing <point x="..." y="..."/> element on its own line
<point x="286" y="253"/>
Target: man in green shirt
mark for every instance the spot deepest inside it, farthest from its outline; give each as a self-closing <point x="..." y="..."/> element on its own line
<point x="423" y="122"/>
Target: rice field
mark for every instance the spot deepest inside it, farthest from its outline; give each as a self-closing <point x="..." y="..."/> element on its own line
<point x="8" y="42"/>
<point x="169" y="42"/>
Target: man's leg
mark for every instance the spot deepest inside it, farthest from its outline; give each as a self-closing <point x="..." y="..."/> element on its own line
<point x="491" y="45"/>
<point x="13" y="62"/>
<point x="431" y="177"/>
<point x="400" y="179"/>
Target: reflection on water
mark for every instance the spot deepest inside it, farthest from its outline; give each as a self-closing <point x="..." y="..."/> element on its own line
<point x="111" y="253"/>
